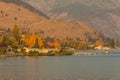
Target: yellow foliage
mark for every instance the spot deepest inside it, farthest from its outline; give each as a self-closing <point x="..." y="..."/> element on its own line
<point x="1" y="39"/>
<point x="26" y="39"/>
<point x="14" y="41"/>
<point x="57" y="45"/>
<point x="40" y="42"/>
<point x="16" y="32"/>
<point x="84" y="42"/>
<point x="99" y="43"/>
<point x="30" y="40"/>
<point x="82" y="45"/>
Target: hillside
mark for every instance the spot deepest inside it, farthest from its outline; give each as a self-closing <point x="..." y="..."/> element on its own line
<point x="104" y="20"/>
<point x="29" y="7"/>
<point x="103" y="15"/>
<point x="12" y="14"/>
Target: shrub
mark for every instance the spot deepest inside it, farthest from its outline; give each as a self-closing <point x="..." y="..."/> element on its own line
<point x="1" y="52"/>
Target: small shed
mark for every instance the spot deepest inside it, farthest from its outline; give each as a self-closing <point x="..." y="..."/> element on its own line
<point x="5" y="48"/>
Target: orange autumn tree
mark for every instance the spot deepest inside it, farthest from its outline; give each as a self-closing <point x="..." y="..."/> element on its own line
<point x="40" y="42"/>
<point x="26" y="38"/>
<point x="57" y="44"/>
<point x="99" y="43"/>
<point x="31" y="40"/>
<point x="82" y="45"/>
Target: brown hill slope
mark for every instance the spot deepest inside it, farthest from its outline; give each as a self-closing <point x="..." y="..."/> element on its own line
<point x="103" y="15"/>
<point x="12" y="14"/>
<point x="29" y="7"/>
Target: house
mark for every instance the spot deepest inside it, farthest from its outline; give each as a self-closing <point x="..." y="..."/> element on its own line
<point x="5" y="48"/>
<point x="98" y="48"/>
<point x="51" y="44"/>
<point x="106" y="48"/>
<point x="36" y="49"/>
<point x="53" y="50"/>
<point x="41" y="50"/>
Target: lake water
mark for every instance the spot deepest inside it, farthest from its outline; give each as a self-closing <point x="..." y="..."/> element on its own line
<point x="100" y="67"/>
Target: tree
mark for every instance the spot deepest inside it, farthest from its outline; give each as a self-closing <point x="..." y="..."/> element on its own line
<point x="36" y="43"/>
<point x="1" y="39"/>
<point x="40" y="42"/>
<point x="31" y="41"/>
<point x="82" y="45"/>
<point x="99" y="43"/>
<point x="12" y="41"/>
<point x="26" y="38"/>
<point x="4" y="39"/>
<point x="16" y="33"/>
<point x="57" y="45"/>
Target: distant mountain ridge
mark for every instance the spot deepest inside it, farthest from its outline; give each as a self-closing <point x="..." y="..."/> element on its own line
<point x="103" y="15"/>
<point x="21" y="3"/>
<point x="106" y="21"/>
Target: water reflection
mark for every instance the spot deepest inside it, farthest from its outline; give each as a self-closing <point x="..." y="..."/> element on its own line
<point x="60" y="68"/>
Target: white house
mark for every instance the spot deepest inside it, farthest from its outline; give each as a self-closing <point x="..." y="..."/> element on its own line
<point x="36" y="49"/>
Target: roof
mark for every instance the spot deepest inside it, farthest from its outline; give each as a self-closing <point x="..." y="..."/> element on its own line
<point x="3" y="45"/>
<point x="51" y="44"/>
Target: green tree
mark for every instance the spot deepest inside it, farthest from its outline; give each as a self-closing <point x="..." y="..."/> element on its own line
<point x="13" y="42"/>
<point x="16" y="33"/>
<point x="36" y="43"/>
<point x="4" y="39"/>
<point x="1" y="39"/>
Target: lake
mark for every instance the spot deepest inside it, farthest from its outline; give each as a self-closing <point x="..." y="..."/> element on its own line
<point x="100" y="67"/>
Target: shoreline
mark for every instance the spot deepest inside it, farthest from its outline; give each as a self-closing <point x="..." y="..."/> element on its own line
<point x="62" y="53"/>
<point x="68" y="53"/>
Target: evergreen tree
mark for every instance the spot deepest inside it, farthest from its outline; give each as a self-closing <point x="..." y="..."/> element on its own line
<point x="36" y="43"/>
<point x="16" y="33"/>
<point x="4" y="39"/>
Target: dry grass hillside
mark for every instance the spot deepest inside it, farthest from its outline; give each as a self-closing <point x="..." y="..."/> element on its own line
<point x="12" y="14"/>
<point x="103" y="15"/>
